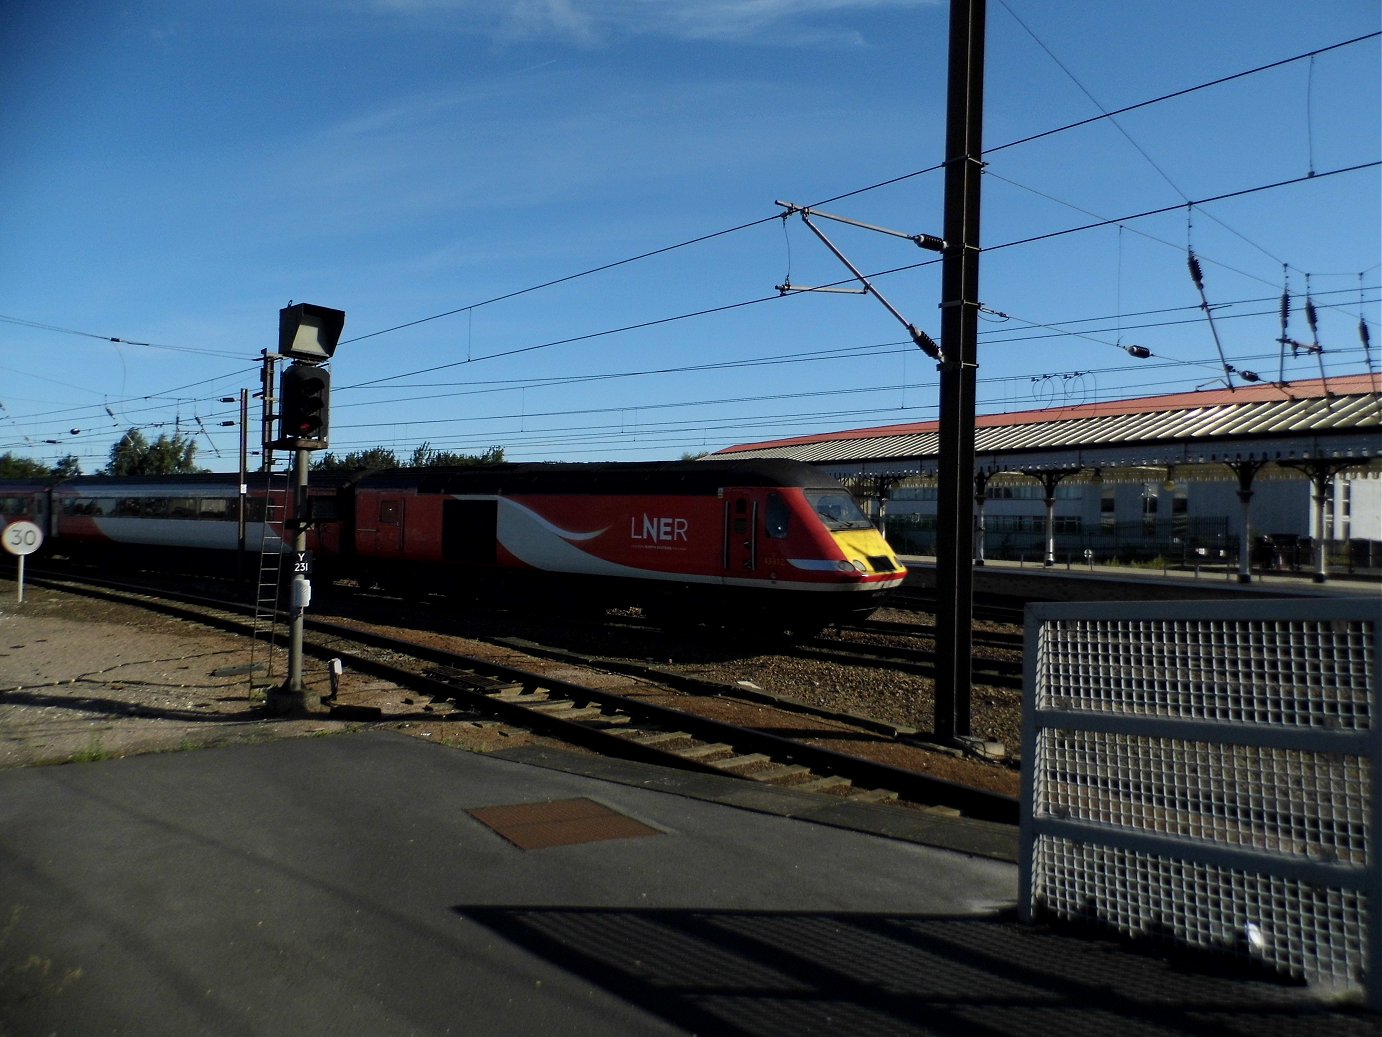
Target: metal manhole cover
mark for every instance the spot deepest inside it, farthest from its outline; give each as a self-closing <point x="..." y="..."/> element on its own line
<point x="561" y="822"/>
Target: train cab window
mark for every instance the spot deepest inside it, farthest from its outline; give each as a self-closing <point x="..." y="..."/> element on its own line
<point x="777" y="517"/>
<point x="838" y="510"/>
<point x="389" y="511"/>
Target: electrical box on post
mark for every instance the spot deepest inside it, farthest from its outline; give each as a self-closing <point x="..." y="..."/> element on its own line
<point x="308" y="332"/>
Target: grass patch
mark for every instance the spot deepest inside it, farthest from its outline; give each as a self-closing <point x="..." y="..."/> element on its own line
<point x="91" y="754"/>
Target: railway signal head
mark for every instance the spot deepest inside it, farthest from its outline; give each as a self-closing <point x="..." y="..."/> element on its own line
<point x="304" y="406"/>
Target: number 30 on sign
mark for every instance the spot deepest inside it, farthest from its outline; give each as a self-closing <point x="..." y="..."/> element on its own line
<point x="22" y="537"/>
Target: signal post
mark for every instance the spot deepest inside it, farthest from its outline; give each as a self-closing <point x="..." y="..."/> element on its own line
<point x="307" y="335"/>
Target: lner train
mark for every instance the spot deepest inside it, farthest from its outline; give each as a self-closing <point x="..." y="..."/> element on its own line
<point x="765" y="544"/>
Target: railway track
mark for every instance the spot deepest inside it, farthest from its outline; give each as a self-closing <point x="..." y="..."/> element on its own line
<point x="999" y="640"/>
<point x="988" y="609"/>
<point x="998" y="673"/>
<point x="633" y="720"/>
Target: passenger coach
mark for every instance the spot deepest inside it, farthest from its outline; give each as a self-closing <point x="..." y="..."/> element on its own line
<point x="765" y="544"/>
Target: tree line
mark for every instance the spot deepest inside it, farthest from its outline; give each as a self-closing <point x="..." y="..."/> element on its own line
<point x="134" y="454"/>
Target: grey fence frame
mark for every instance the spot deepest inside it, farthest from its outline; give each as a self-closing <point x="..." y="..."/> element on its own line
<point x="1210" y="774"/>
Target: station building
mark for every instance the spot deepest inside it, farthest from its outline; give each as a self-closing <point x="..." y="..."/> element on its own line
<point x="1262" y="475"/>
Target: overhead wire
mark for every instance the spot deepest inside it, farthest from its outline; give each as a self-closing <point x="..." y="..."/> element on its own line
<point x="744" y="226"/>
<point x="894" y="348"/>
<point x="1111" y="115"/>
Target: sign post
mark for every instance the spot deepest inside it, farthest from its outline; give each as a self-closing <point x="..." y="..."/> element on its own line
<point x="22" y="538"/>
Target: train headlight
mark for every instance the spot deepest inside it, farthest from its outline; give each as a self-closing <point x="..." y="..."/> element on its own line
<point x="854" y="566"/>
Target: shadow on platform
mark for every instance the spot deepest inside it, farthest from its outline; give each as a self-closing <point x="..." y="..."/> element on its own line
<point x="756" y="974"/>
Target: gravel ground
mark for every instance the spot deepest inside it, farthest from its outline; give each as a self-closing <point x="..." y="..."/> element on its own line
<point x="872" y="691"/>
<point x="83" y="679"/>
<point x="869" y="690"/>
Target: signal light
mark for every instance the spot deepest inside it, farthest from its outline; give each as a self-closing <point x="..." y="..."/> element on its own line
<point x="304" y="406"/>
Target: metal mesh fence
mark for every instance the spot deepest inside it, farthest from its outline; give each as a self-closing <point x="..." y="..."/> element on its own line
<point x="1208" y="774"/>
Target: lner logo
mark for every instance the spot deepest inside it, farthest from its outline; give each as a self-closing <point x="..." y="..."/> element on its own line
<point x="659" y="530"/>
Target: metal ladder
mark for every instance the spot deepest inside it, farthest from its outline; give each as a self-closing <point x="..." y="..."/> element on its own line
<point x="267" y="643"/>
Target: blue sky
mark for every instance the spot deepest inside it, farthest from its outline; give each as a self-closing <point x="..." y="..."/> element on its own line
<point x="175" y="172"/>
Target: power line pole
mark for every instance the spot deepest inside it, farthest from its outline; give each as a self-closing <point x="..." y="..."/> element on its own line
<point x="958" y="368"/>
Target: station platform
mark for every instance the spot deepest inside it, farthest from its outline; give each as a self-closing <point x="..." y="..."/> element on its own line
<point x="1071" y="581"/>
<point x="373" y="883"/>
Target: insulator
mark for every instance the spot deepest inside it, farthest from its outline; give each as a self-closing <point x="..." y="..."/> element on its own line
<point x="1285" y="309"/>
<point x="1141" y="352"/>
<point x="1195" y="273"/>
<point x="925" y="342"/>
<point x="1363" y="333"/>
<point x="1249" y="376"/>
<point x="1310" y="313"/>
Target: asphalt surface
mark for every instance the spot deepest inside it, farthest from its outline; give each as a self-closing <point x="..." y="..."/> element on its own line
<point x="373" y="883"/>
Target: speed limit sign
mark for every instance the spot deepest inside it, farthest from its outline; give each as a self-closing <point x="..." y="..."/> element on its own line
<point x="21" y="538"/>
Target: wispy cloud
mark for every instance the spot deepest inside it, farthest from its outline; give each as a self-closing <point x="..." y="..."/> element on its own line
<point x="594" y="22"/>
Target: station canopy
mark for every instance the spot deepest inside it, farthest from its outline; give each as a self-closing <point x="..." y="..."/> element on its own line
<point x="1189" y="436"/>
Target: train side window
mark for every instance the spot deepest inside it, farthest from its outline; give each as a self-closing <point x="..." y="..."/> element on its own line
<point x="254" y="509"/>
<point x="324" y="509"/>
<point x="213" y="508"/>
<point x="182" y="507"/>
<point x="388" y="511"/>
<point x="777" y="517"/>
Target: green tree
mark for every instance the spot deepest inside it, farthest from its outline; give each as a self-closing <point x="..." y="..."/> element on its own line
<point x="68" y="467"/>
<point x="425" y="457"/>
<point x="167" y="455"/>
<point x="356" y="460"/>
<point x="12" y="467"/>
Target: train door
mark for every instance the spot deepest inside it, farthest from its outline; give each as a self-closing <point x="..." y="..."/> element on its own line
<point x="469" y="531"/>
<point x="741" y="533"/>
<point x="391" y="525"/>
<point x="383" y="537"/>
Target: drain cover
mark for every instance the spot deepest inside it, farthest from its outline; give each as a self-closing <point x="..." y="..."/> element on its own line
<point x="561" y="822"/>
